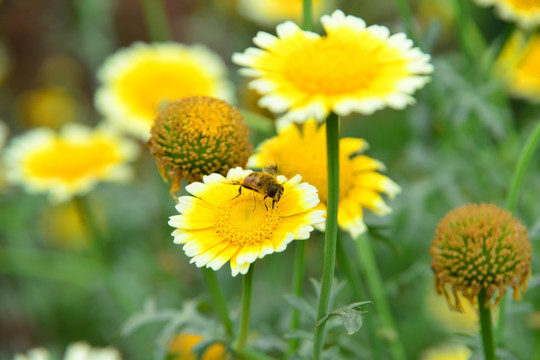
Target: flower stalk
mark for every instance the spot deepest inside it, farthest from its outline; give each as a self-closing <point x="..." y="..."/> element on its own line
<point x="486" y="326"/>
<point x="512" y="200"/>
<point x="376" y="287"/>
<point x="218" y="298"/>
<point x="332" y="148"/>
<point x="156" y="20"/>
<point x="247" y="294"/>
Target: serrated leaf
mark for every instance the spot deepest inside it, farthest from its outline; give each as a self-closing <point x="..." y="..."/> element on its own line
<point x="352" y="318"/>
<point x="301" y="305"/>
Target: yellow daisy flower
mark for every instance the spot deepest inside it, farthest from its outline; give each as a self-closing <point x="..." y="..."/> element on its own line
<point x="182" y="348"/>
<point x="68" y="163"/>
<point x="353" y="68"/>
<point x="304" y="152"/>
<point x="465" y="322"/>
<point x="272" y="12"/>
<point x="524" y="12"/>
<point x="50" y="106"/>
<point x="138" y="80"/>
<point x="518" y="65"/>
<point x="447" y="352"/>
<point x="219" y="223"/>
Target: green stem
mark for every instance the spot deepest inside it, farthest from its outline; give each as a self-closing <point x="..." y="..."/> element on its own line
<point x="247" y="293"/>
<point x="353" y="277"/>
<point x="486" y="327"/>
<point x="250" y="354"/>
<point x="332" y="149"/>
<point x="376" y="287"/>
<point x="470" y="38"/>
<point x="512" y="201"/>
<point x="156" y="20"/>
<point x="218" y="298"/>
<point x="298" y="280"/>
<point x="307" y="15"/>
<point x="99" y="244"/>
<point x="406" y="16"/>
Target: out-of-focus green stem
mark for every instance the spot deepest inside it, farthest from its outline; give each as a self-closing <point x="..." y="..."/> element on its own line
<point x="352" y="274"/>
<point x="376" y="287"/>
<point x="406" y="16"/>
<point x="99" y="244"/>
<point x="247" y="293"/>
<point x="486" y="327"/>
<point x="307" y="15"/>
<point x="512" y="200"/>
<point x="470" y="38"/>
<point x="156" y="20"/>
<point x="218" y="298"/>
<point x="332" y="148"/>
<point x="250" y="354"/>
<point x="298" y="280"/>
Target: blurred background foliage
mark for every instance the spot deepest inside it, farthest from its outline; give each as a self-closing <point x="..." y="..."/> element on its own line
<point x="458" y="144"/>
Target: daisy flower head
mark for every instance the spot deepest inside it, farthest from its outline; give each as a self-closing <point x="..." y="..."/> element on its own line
<point x="138" y="80"/>
<point x="480" y="248"/>
<point x="272" y="12"/>
<point x="526" y="13"/>
<point x="75" y="351"/>
<point x="353" y="68"/>
<point x="223" y="221"/>
<point x="518" y="65"/>
<point x="183" y="347"/>
<point x="70" y="162"/>
<point x="198" y="136"/>
<point x="303" y="151"/>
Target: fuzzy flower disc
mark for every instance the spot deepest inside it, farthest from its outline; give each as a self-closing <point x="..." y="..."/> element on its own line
<point x="480" y="247"/>
<point x="524" y="12"/>
<point x="353" y="68"/>
<point x="303" y="151"/>
<point x="68" y="163"/>
<point x="198" y="136"/>
<point x="138" y="80"/>
<point x="219" y="224"/>
<point x="519" y="65"/>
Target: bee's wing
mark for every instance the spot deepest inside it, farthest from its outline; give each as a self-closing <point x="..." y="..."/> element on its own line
<point x="270" y="167"/>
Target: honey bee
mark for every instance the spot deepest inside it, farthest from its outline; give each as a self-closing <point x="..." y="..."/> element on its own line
<point x="264" y="183"/>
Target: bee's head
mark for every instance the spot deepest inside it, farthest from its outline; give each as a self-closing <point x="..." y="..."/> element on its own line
<point x="275" y="191"/>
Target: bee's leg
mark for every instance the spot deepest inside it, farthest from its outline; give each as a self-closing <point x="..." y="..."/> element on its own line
<point x="254" y="202"/>
<point x="264" y="198"/>
<point x="239" y="192"/>
<point x="273" y="203"/>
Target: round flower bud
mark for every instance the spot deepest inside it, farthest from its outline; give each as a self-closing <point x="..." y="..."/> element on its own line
<point x="480" y="247"/>
<point x="197" y="136"/>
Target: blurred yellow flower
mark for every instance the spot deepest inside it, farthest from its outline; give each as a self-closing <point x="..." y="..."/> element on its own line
<point x="139" y="80"/>
<point x="51" y="106"/>
<point x="67" y="163"/>
<point x="447" y="352"/>
<point x="524" y="12"/>
<point x="62" y="226"/>
<point x="182" y="348"/>
<point x="75" y="351"/>
<point x="518" y="65"/>
<point x="304" y="152"/>
<point x="465" y="322"/>
<point x="218" y="223"/>
<point x="272" y="12"/>
<point x="353" y="68"/>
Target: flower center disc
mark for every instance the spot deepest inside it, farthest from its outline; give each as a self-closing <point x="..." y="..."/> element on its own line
<point x="246" y="220"/>
<point x="71" y="162"/>
<point x="343" y="63"/>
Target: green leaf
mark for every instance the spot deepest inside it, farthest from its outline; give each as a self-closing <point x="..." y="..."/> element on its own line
<point x="301" y="305"/>
<point x="352" y="318"/>
<point x="299" y="334"/>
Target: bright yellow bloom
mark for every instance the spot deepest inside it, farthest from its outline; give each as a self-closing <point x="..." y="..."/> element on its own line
<point x="68" y="163"/>
<point x="519" y="65"/>
<point x="51" y="106"/>
<point x="525" y="12"/>
<point x="304" y="152"/>
<point x="75" y="351"/>
<point x="272" y="12"/>
<point x="447" y="352"/>
<point x="139" y="80"/>
<point x="218" y="223"/>
<point x="353" y="68"/>
<point x="182" y="348"/>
